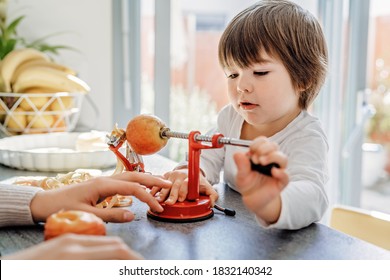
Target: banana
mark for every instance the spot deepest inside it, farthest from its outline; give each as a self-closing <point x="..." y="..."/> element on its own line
<point x="40" y="121"/>
<point x="38" y="101"/>
<point x="2" y="88"/>
<point x="49" y="78"/>
<point x="39" y="90"/>
<point x="40" y="63"/>
<point x="16" y="121"/>
<point x="15" y="58"/>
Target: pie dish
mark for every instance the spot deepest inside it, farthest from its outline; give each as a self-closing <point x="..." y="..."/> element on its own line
<point x="52" y="152"/>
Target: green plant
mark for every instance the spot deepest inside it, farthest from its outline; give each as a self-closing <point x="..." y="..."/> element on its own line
<point x="10" y="40"/>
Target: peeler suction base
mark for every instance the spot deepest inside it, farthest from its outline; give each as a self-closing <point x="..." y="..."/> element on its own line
<point x="184" y="212"/>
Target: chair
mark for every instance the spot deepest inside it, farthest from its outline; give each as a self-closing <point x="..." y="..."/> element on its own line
<point x="371" y="226"/>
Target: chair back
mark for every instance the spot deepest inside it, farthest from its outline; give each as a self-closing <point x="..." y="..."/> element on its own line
<point x="371" y="226"/>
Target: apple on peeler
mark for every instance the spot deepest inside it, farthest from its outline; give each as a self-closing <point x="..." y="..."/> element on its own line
<point x="143" y="133"/>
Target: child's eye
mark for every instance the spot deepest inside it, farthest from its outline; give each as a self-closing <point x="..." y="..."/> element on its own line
<point x="232" y="76"/>
<point x="261" y="73"/>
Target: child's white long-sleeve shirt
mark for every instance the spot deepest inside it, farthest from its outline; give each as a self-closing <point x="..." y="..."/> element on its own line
<point x="304" y="200"/>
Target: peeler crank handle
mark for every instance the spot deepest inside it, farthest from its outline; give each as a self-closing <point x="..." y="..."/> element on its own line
<point x="264" y="169"/>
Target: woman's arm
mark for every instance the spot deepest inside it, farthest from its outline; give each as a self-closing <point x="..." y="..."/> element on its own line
<point x="15" y="204"/>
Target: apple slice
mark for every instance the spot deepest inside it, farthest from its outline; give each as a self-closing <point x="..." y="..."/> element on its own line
<point x="143" y="133"/>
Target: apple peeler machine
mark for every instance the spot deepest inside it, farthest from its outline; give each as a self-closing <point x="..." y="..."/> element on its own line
<point x="196" y="207"/>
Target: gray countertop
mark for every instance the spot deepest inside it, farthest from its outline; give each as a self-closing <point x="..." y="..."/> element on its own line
<point x="220" y="237"/>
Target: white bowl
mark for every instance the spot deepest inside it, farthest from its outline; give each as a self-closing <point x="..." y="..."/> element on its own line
<point x="51" y="152"/>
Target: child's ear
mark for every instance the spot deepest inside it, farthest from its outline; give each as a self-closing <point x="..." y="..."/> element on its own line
<point x="302" y="88"/>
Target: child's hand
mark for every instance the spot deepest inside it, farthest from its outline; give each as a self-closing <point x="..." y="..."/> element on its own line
<point x="179" y="190"/>
<point x="261" y="193"/>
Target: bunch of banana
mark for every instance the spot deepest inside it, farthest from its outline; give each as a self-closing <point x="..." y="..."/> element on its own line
<point x="31" y="72"/>
<point x="28" y="68"/>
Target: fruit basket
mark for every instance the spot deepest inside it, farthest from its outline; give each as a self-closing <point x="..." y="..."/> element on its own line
<point x="27" y="113"/>
<point x="37" y="94"/>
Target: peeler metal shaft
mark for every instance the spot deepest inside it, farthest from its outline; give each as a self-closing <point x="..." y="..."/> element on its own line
<point x="206" y="138"/>
<point x="263" y="169"/>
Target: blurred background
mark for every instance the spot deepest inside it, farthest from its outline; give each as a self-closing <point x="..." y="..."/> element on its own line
<point x="160" y="57"/>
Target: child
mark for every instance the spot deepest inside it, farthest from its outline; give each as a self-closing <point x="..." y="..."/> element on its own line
<point x="274" y="56"/>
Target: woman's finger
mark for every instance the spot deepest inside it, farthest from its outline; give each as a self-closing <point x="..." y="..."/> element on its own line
<point x="155" y="190"/>
<point x="162" y="195"/>
<point x="144" y="179"/>
<point x="112" y="215"/>
<point x="109" y="187"/>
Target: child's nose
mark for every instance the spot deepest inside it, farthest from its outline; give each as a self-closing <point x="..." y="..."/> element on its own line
<point x="244" y="87"/>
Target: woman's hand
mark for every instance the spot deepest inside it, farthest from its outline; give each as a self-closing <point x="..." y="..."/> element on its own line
<point x="261" y="193"/>
<point x="179" y="189"/>
<point x="78" y="247"/>
<point x="84" y="196"/>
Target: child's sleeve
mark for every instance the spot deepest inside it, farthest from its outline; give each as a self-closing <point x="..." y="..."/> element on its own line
<point x="304" y="200"/>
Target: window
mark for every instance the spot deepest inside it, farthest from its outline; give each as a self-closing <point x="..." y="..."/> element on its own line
<point x="376" y="150"/>
<point x="342" y="105"/>
<point x="187" y="90"/>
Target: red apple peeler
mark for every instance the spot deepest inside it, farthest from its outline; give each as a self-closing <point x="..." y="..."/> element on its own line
<point x="196" y="207"/>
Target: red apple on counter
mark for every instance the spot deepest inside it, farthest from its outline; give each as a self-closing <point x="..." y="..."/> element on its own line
<point x="143" y="133"/>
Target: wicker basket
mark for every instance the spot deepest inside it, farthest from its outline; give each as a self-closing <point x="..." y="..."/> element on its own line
<point x="25" y="113"/>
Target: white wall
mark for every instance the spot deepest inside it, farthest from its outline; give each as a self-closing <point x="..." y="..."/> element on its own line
<point x="85" y="25"/>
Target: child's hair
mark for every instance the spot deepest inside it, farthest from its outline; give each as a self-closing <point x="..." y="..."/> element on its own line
<point x="286" y="32"/>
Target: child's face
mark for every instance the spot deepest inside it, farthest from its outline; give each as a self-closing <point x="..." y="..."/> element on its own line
<point x="263" y="93"/>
